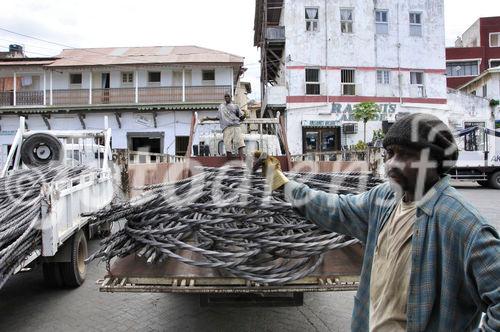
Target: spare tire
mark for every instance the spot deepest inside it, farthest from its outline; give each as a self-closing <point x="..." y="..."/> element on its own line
<point x="41" y="149"/>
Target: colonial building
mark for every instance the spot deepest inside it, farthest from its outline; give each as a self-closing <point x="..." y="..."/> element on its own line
<point x="477" y="50"/>
<point x="320" y="58"/>
<point x="149" y="94"/>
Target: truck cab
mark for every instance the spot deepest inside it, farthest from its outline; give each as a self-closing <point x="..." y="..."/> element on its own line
<point x="479" y="156"/>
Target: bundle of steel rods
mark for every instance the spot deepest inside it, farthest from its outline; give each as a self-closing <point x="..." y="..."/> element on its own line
<point x="227" y="218"/>
<point x="20" y="213"/>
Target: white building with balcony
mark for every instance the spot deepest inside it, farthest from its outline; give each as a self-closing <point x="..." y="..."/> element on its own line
<point x="320" y="58"/>
<point x="148" y="93"/>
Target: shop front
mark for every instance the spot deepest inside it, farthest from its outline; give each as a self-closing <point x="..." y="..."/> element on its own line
<point x="321" y="136"/>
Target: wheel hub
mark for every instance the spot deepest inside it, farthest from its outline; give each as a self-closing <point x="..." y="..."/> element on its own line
<point x="43" y="152"/>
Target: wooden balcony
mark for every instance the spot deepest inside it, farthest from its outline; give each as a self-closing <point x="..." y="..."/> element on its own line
<point x="119" y="96"/>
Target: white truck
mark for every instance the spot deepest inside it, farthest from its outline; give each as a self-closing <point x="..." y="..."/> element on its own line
<point x="479" y="156"/>
<point x="63" y="250"/>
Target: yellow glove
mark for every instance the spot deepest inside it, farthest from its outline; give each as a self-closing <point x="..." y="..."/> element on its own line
<point x="271" y="169"/>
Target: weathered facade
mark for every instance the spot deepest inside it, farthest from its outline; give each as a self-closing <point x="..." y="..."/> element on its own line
<point x="321" y="58"/>
<point x="149" y="94"/>
<point x="477" y="50"/>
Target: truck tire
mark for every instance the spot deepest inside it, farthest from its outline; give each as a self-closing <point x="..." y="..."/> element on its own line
<point x="41" y="149"/>
<point x="74" y="272"/>
<point x="52" y="275"/>
<point x="494" y="180"/>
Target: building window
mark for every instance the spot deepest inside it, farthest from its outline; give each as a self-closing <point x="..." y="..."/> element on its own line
<point x="127" y="78"/>
<point x="417" y="81"/>
<point x="382" y="22"/>
<point x="346" y="20"/>
<point x="416" y="24"/>
<point x="312" y="18"/>
<point x="495" y="39"/>
<point x="208" y="75"/>
<point x="348" y="82"/>
<point x="312" y="81"/>
<point x="383" y="76"/>
<point x="154" y="77"/>
<point x="494" y="63"/>
<point x="75" y="79"/>
<point x="485" y="91"/>
<point x="466" y="68"/>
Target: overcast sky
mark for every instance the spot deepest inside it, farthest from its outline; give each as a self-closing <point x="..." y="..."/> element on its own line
<point x="225" y="25"/>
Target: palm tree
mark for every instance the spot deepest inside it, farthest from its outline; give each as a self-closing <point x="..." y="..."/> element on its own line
<point x="366" y="111"/>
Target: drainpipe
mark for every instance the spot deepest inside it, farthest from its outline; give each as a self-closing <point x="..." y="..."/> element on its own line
<point x="326" y="52"/>
<point x="399" y="59"/>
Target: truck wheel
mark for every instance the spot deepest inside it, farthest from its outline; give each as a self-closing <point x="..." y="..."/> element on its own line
<point x="74" y="272"/>
<point x="52" y="275"/>
<point x="494" y="180"/>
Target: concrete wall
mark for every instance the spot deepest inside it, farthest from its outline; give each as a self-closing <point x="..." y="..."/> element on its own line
<point x="365" y="50"/>
<point x="471" y="37"/>
<point x="491" y="81"/>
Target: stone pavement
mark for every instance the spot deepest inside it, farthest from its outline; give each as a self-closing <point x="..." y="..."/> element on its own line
<point x="27" y="305"/>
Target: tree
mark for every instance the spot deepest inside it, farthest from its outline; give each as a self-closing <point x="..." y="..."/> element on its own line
<point x="365" y="112"/>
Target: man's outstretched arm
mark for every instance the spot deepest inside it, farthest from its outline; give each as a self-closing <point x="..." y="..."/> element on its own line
<point x="345" y="214"/>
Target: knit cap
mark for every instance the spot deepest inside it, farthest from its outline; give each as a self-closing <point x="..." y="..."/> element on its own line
<point x="419" y="131"/>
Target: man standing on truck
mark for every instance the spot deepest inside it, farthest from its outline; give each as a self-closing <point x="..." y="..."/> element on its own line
<point x="230" y="116"/>
<point x="431" y="261"/>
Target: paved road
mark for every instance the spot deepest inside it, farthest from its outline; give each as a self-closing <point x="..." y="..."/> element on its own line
<point x="26" y="305"/>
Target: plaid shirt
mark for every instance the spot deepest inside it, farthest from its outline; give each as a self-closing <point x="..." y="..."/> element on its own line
<point x="455" y="273"/>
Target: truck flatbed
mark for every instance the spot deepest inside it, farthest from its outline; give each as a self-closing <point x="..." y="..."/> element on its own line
<point x="339" y="271"/>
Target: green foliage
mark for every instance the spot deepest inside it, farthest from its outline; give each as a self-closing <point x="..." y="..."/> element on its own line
<point x="378" y="135"/>
<point x="494" y="102"/>
<point x="366" y="111"/>
<point x="360" y="146"/>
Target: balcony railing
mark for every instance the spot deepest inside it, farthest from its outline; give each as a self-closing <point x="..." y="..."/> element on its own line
<point x="143" y="95"/>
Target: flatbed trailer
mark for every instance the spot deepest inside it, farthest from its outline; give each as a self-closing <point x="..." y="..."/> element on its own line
<point x="339" y="271"/>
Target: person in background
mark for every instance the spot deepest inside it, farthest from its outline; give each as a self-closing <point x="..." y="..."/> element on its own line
<point x="230" y="117"/>
<point x="431" y="261"/>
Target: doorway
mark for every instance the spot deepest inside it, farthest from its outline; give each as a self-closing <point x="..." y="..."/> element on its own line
<point x="145" y="142"/>
<point x="105" y="84"/>
<point x="181" y="145"/>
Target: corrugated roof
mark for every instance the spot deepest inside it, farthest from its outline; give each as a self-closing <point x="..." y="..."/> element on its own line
<point x="142" y="55"/>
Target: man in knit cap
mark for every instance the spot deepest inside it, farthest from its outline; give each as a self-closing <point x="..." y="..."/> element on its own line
<point x="431" y="261"/>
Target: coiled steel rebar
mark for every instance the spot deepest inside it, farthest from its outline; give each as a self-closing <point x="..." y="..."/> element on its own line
<point x="227" y="218"/>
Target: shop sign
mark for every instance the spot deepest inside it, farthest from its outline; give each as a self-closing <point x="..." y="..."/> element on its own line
<point x="143" y="119"/>
<point x="319" y="123"/>
<point x="7" y="132"/>
<point x="344" y="112"/>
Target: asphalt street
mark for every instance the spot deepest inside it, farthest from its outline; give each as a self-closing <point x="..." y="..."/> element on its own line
<point x="27" y="305"/>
